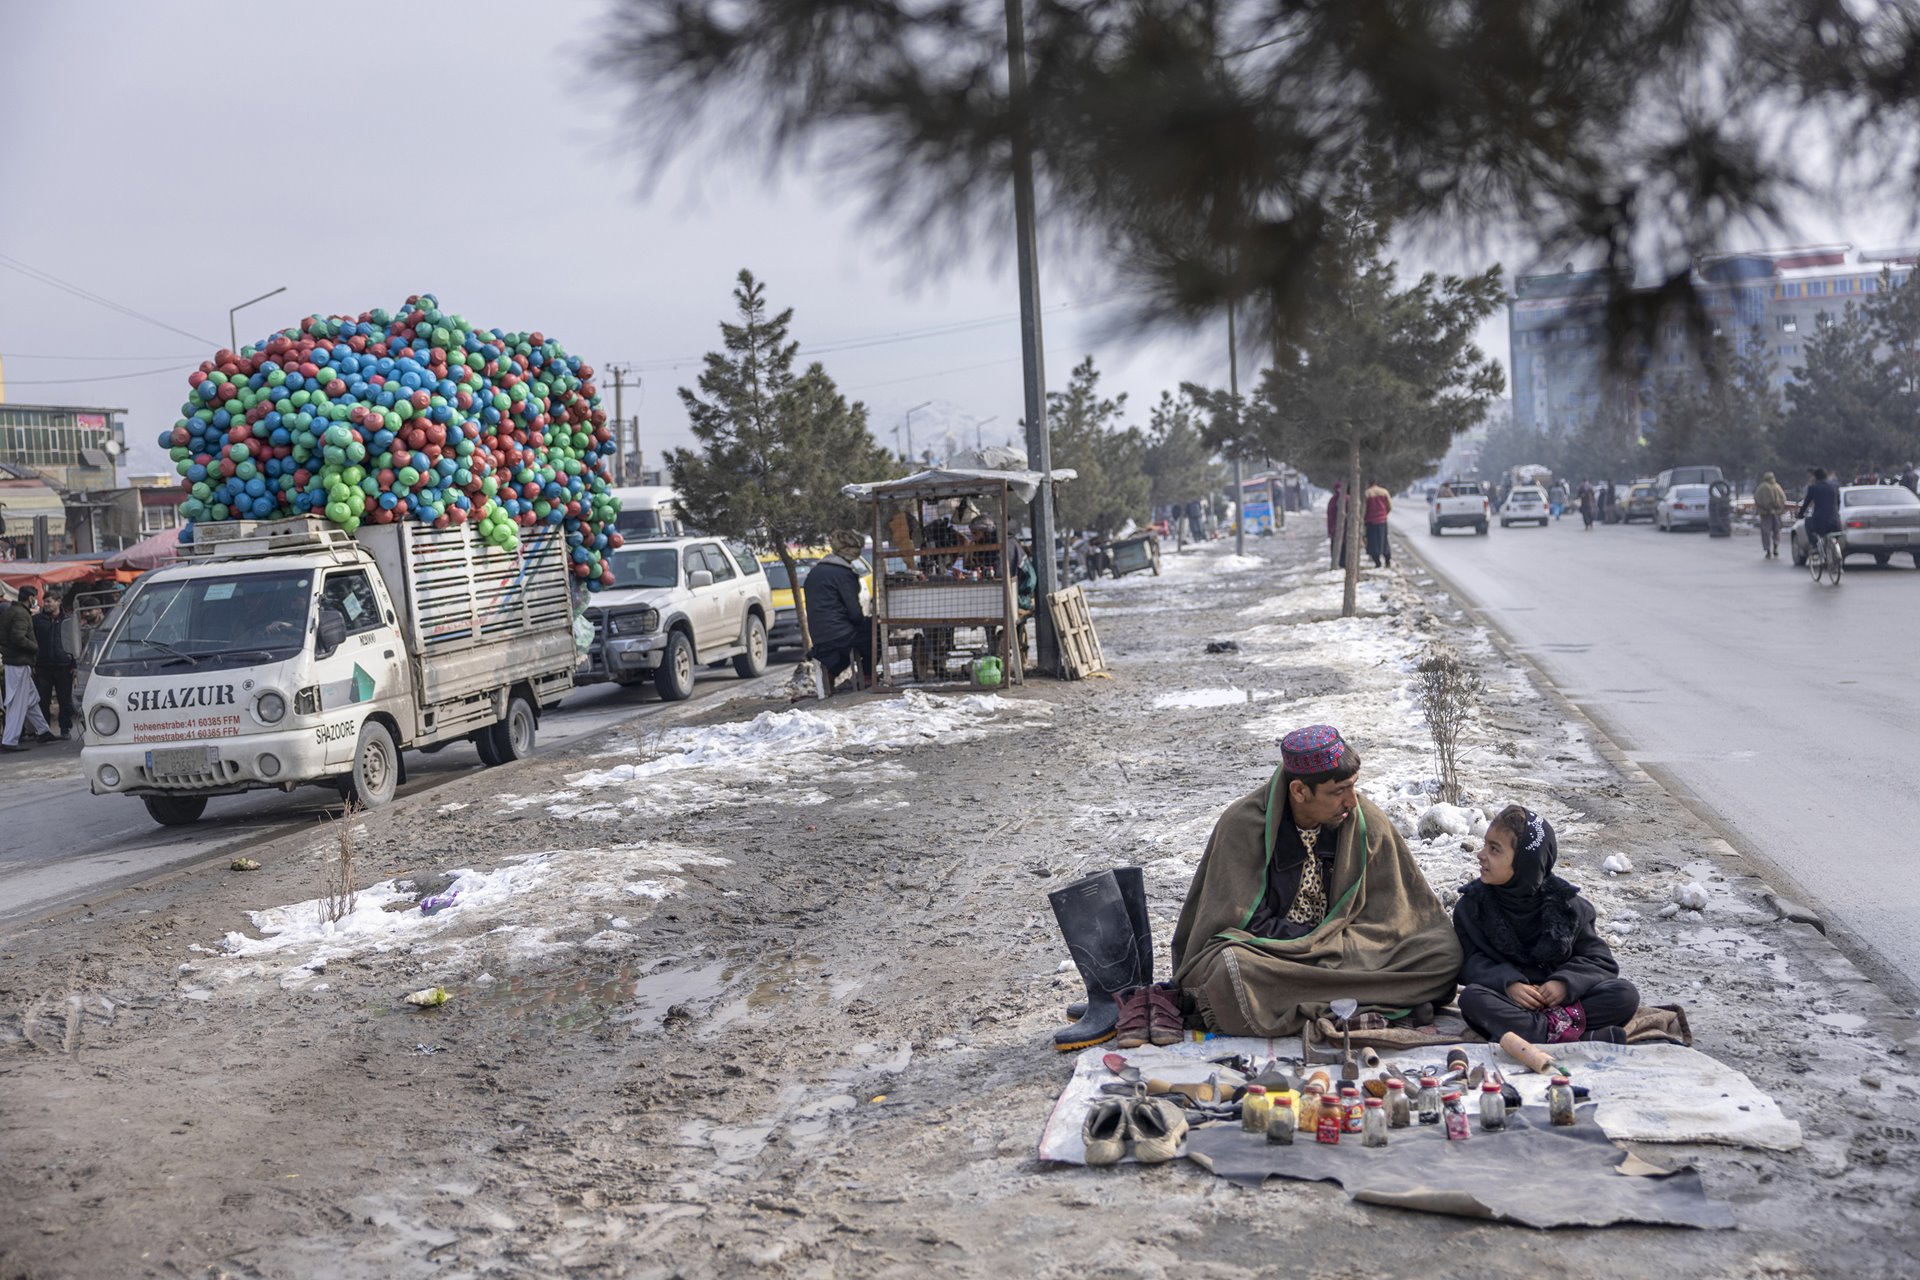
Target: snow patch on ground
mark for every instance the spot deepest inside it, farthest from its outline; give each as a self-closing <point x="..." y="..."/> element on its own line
<point x="524" y="905"/>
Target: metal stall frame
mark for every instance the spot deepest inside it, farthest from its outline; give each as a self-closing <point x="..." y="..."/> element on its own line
<point x="917" y="605"/>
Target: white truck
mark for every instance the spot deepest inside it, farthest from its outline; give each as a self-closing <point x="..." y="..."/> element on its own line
<point x="1458" y="504"/>
<point x="280" y="653"/>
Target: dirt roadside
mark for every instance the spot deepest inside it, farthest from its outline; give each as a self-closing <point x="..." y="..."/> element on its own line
<point x="792" y="1020"/>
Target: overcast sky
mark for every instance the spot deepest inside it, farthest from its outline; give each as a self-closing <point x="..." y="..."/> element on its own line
<point x="179" y="159"/>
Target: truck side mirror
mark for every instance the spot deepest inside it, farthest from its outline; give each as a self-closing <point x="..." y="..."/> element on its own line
<point x="333" y="632"/>
<point x="700" y="578"/>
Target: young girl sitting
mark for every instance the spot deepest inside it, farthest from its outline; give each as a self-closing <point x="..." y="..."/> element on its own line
<point x="1532" y="961"/>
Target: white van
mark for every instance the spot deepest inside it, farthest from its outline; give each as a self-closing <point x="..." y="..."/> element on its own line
<point x="649" y="511"/>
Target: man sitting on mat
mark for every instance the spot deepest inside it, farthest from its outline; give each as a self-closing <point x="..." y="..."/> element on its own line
<point x="1306" y="894"/>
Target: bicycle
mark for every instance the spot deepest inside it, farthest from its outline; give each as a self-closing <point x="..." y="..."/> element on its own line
<point x="1828" y="556"/>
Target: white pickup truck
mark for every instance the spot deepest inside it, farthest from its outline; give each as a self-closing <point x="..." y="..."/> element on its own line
<point x="1458" y="504"/>
<point x="284" y="652"/>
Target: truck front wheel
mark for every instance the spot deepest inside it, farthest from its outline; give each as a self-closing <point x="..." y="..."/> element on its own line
<point x="376" y="767"/>
<point x="513" y="737"/>
<point x="674" y="678"/>
<point x="175" y="811"/>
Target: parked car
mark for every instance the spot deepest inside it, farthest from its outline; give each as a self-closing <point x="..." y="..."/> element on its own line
<point x="1877" y="520"/>
<point x="1673" y="476"/>
<point x="677" y="603"/>
<point x="1458" y="504"/>
<point x="1642" y="502"/>
<point x="1681" y="507"/>
<point x="1526" y="504"/>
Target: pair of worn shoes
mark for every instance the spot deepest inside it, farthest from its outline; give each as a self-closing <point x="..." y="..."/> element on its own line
<point x="1152" y="1127"/>
<point x="1149" y="1015"/>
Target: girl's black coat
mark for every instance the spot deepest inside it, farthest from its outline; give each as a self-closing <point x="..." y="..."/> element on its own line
<point x="1567" y="946"/>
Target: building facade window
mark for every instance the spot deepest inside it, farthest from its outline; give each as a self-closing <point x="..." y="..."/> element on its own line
<point x="1788" y="323"/>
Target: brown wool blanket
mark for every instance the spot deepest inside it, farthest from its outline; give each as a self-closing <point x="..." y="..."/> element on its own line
<point x="1386" y="941"/>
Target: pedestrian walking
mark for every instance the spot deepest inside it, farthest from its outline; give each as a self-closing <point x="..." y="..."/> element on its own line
<point x="1379" y="506"/>
<point x="1557" y="498"/>
<point x="1587" y="501"/>
<point x="1910" y="479"/>
<point x="1769" y="504"/>
<point x="18" y="648"/>
<point x="54" y="664"/>
<point x="1336" y="545"/>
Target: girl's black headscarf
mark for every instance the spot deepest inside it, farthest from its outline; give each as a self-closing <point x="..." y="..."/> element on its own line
<point x="1530" y="919"/>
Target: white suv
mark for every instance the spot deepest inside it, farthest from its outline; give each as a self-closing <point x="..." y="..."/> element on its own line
<point x="676" y="603"/>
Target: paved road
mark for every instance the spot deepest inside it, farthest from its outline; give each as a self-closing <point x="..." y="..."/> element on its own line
<point x="1784" y="711"/>
<point x="62" y="844"/>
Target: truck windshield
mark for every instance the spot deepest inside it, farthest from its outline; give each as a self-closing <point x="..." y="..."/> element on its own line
<point x="210" y="623"/>
<point x="646" y="567"/>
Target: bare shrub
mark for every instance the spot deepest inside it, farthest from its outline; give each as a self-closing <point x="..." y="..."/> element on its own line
<point x="337" y="894"/>
<point x="1450" y="692"/>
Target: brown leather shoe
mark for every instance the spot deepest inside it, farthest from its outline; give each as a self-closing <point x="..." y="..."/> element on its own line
<point x="1165" y="1023"/>
<point x="1136" y="1018"/>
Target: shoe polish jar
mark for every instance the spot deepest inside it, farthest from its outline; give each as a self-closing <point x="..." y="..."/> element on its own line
<point x="1373" y="1125"/>
<point x="1399" y="1109"/>
<point x="1255" y="1107"/>
<point x="1280" y="1123"/>
<point x="1327" y="1128"/>
<point x="1493" y="1108"/>
<point x="1350" y="1110"/>
<point x="1429" y="1100"/>
<point x="1560" y="1100"/>
<point x="1454" y="1114"/>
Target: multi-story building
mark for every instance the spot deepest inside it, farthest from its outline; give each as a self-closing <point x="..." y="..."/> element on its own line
<point x="1563" y="371"/>
<point x="75" y="449"/>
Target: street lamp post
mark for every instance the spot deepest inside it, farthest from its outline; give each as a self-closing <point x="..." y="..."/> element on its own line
<point x="906" y="424"/>
<point x="233" y="337"/>
<point x="978" y="426"/>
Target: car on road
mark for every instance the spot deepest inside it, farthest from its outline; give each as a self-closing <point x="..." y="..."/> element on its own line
<point x="1684" y="506"/>
<point x="1879" y="520"/>
<point x="677" y="604"/>
<point x="1526" y="504"/>
<point x="1641" y="503"/>
<point x="1458" y="504"/>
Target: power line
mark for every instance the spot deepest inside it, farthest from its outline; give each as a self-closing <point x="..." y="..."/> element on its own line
<point x="48" y="278"/>
<point x="107" y="377"/>
<point x="886" y="338"/>
<point x="937" y="373"/>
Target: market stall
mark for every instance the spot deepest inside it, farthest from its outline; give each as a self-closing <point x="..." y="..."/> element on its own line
<point x="946" y="600"/>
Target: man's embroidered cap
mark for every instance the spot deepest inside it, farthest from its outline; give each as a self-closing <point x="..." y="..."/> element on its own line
<point x="1317" y="748"/>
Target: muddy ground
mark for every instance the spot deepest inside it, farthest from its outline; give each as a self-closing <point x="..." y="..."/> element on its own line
<point x="822" y="1051"/>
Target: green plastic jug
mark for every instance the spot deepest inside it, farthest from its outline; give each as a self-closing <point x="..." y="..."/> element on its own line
<point x="986" y="672"/>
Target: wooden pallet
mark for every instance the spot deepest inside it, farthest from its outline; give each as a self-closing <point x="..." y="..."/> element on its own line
<point x="1080" y="654"/>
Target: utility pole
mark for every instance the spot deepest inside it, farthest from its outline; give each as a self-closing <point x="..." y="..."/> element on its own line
<point x="977" y="427"/>
<point x="906" y="424"/>
<point x="1233" y="390"/>
<point x="619" y="373"/>
<point x="1032" y="350"/>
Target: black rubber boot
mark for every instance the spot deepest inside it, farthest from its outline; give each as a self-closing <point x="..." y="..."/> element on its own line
<point x="1133" y="887"/>
<point x="1099" y="933"/>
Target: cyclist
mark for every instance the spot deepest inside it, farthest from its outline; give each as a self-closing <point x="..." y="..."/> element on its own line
<point x="1819" y="510"/>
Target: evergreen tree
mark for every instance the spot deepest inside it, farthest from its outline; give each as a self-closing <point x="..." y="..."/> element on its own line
<point x="774" y="447"/>
<point x="1375" y="381"/>
<point x="1836" y="409"/>
<point x="1111" y="485"/>
<point x="1178" y="463"/>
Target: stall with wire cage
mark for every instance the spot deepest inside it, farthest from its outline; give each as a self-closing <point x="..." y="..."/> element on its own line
<point x="946" y="576"/>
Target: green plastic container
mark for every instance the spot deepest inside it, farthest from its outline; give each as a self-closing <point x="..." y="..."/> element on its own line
<point x="986" y="672"/>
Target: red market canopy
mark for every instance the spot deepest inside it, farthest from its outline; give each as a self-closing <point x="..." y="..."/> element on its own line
<point x="148" y="553"/>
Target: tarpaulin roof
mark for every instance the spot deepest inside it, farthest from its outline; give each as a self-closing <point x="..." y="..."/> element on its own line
<point x="26" y="573"/>
<point x="1023" y="483"/>
<point x="148" y="553"/>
